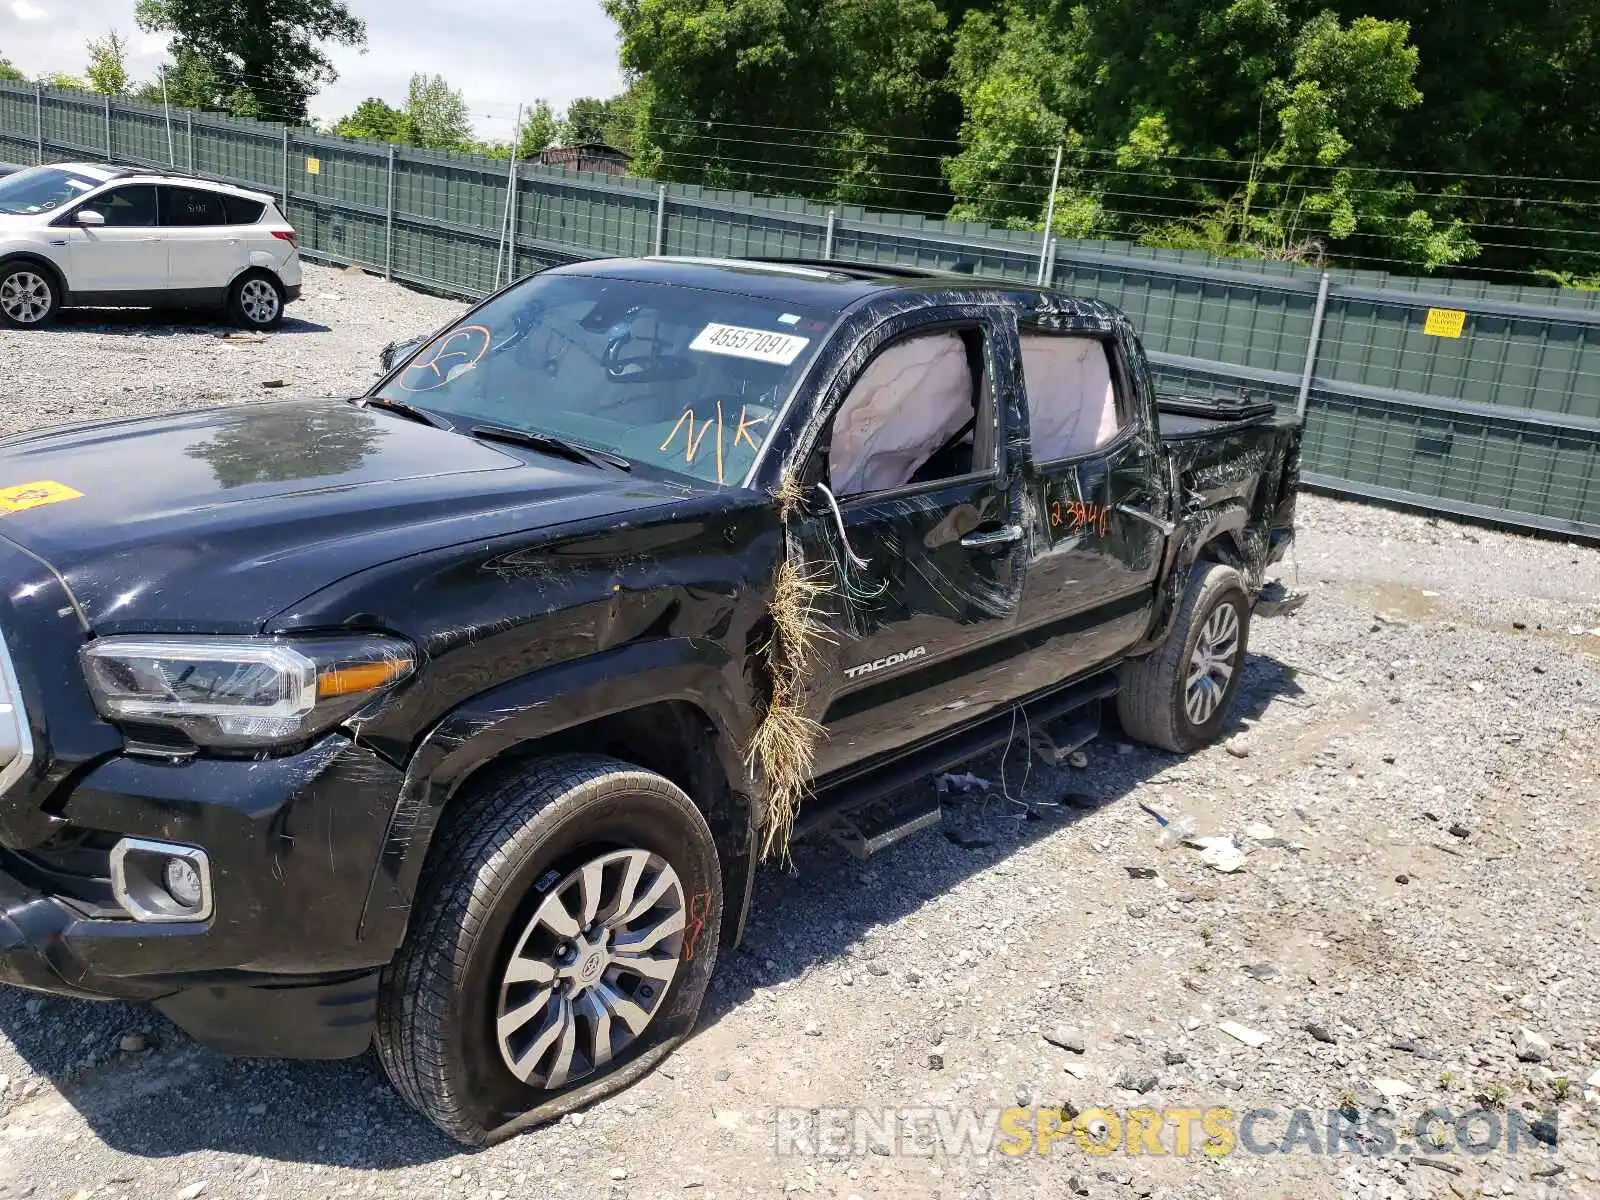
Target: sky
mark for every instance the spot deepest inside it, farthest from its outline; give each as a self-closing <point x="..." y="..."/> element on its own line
<point x="497" y="53"/>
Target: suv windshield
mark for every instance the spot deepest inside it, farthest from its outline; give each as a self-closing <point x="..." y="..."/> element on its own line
<point x="675" y="377"/>
<point x="39" y="189"/>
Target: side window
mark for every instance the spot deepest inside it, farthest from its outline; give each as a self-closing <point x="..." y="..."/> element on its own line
<point x="191" y="206"/>
<point x="241" y="211"/>
<point x="126" y="206"/>
<point x="1073" y="406"/>
<point x="920" y="412"/>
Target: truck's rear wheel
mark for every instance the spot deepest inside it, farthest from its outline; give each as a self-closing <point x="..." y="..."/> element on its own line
<point x="1178" y="698"/>
<point x="564" y="933"/>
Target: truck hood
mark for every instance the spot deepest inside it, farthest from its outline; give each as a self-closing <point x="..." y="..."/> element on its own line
<point x="214" y="520"/>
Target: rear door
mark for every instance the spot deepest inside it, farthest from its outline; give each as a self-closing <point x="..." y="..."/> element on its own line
<point x="128" y="254"/>
<point x="922" y="553"/>
<point x="204" y="252"/>
<point x="1098" y="498"/>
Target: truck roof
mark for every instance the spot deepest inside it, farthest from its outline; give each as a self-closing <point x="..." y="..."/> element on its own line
<point x="819" y="283"/>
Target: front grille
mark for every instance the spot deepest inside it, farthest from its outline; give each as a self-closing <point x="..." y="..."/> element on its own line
<point x="16" y="740"/>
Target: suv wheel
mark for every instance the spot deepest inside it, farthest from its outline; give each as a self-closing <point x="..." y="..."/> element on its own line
<point x="1178" y="698"/>
<point x="255" y="301"/>
<point x="28" y="296"/>
<point x="563" y="935"/>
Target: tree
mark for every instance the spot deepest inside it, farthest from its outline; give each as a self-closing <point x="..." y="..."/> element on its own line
<point x="1259" y="127"/>
<point x="436" y="116"/>
<point x="10" y="73"/>
<point x="540" y="130"/>
<point x="587" y="120"/>
<point x="190" y="83"/>
<point x="374" y="119"/>
<point x="266" y="53"/>
<point x="108" y="64"/>
<point x="783" y="96"/>
<point x="64" y="82"/>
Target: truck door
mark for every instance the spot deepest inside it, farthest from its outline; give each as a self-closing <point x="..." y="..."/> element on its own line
<point x="1098" y="499"/>
<point x="922" y="549"/>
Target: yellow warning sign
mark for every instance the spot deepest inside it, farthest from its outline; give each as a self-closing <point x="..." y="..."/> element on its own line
<point x="1445" y="322"/>
<point x="35" y="495"/>
<point x="313" y="166"/>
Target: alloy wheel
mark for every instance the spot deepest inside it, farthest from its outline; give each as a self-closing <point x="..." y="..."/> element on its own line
<point x="259" y="300"/>
<point x="25" y="297"/>
<point x="1212" y="664"/>
<point x="590" y="969"/>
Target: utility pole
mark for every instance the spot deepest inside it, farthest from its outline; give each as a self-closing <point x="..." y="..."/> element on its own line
<point x="172" y="157"/>
<point x="1049" y="216"/>
<point x="511" y="194"/>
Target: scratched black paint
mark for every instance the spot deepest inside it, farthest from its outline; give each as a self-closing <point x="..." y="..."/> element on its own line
<point x="555" y="604"/>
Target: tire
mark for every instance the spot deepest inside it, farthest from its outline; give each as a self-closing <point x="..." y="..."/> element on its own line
<point x="30" y="297"/>
<point x="255" y="301"/>
<point x="504" y="859"/>
<point x="1154" y="704"/>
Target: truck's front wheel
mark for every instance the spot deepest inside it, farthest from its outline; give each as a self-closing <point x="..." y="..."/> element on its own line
<point x="563" y="936"/>
<point x="1178" y="698"/>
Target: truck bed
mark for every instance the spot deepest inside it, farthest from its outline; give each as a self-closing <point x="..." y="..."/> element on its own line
<point x="1186" y="417"/>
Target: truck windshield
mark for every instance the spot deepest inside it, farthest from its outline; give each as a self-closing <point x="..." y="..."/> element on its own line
<point x="681" y="378"/>
<point x="40" y="189"/>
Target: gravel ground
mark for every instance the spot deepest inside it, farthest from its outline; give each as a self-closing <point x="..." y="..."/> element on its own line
<point x="1415" y="926"/>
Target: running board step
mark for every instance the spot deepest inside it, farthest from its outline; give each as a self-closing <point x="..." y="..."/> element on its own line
<point x="1276" y="600"/>
<point x="881" y="824"/>
<point x="1056" y="742"/>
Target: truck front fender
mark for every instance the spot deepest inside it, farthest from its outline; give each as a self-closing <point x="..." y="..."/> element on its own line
<point x="541" y="706"/>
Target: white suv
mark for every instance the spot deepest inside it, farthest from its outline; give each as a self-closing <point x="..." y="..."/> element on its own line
<point x="84" y="236"/>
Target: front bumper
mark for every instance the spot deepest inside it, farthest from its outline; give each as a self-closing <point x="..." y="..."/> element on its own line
<point x="280" y="967"/>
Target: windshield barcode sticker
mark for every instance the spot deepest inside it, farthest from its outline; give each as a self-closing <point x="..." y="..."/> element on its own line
<point x="759" y="344"/>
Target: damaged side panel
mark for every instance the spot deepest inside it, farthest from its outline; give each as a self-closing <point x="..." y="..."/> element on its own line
<point x="524" y="637"/>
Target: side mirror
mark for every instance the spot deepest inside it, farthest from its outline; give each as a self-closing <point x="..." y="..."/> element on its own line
<point x="89" y="218"/>
<point x="395" y="351"/>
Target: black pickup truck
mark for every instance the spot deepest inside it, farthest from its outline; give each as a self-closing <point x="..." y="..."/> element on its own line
<point x="456" y="716"/>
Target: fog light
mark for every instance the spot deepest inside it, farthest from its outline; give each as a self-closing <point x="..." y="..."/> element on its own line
<point x="160" y="881"/>
<point x="183" y="881"/>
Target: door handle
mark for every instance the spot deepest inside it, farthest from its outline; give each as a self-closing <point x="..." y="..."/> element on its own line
<point x="1003" y="536"/>
<point x="1138" y="514"/>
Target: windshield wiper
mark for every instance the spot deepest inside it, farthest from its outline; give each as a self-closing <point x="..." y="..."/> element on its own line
<point x="552" y="445"/>
<point x="403" y="409"/>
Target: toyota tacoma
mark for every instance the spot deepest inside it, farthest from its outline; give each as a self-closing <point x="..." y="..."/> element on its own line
<point x="456" y="717"/>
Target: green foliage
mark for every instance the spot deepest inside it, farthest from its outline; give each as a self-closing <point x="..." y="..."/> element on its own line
<point x="60" y="79"/>
<point x="541" y="129"/>
<point x="265" y="54"/>
<point x="190" y="83"/>
<point x="1244" y="128"/>
<point x="108" y="64"/>
<point x="10" y="73"/>
<point x="374" y="119"/>
<point x="865" y="73"/>
<point x="587" y="120"/>
<point x="436" y="116"/>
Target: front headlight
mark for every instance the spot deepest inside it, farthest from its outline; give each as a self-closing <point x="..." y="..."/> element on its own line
<point x="240" y="693"/>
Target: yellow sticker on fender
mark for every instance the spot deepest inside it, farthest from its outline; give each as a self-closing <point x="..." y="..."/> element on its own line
<point x="35" y="495"/>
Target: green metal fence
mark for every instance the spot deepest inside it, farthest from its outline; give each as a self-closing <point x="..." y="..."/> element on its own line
<point x="1457" y="396"/>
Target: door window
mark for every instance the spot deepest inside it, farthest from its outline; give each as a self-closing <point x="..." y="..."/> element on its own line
<point x="191" y="206"/>
<point x="241" y="211"/>
<point x="913" y="416"/>
<point x="1073" y="406"/>
<point x="133" y="205"/>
